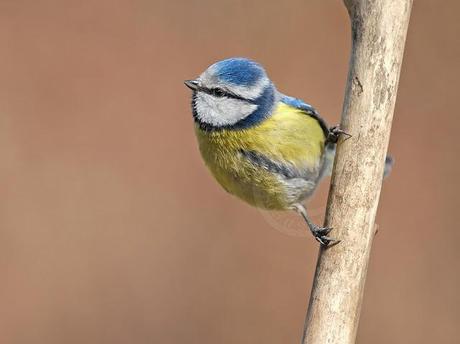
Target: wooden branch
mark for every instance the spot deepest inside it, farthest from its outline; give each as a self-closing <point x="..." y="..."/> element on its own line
<point x="378" y="36"/>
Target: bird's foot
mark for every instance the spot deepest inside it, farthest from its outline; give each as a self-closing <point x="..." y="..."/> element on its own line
<point x="334" y="134"/>
<point x="320" y="234"/>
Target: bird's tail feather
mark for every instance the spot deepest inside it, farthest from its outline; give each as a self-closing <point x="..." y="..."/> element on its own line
<point x="329" y="162"/>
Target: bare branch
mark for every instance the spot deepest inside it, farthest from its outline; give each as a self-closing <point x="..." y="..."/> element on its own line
<point x="378" y="36"/>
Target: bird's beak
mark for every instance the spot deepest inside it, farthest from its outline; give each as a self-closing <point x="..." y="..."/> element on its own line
<point x="192" y="84"/>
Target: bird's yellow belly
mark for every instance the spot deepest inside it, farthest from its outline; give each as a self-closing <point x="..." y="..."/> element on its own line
<point x="257" y="187"/>
<point x="288" y="136"/>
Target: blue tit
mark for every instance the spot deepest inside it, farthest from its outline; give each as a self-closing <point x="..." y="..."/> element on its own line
<point x="266" y="148"/>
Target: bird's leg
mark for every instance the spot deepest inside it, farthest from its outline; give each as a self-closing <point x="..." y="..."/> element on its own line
<point x="320" y="233"/>
<point x="334" y="134"/>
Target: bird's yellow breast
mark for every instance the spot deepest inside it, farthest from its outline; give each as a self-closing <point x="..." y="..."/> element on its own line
<point x="288" y="136"/>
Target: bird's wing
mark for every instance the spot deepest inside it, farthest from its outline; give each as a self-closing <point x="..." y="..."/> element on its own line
<point x="307" y="109"/>
<point x="290" y="142"/>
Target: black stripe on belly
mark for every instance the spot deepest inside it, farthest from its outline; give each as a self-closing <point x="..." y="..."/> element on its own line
<point x="270" y="165"/>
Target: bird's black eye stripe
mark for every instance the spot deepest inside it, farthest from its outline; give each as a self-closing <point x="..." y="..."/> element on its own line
<point x="220" y="93"/>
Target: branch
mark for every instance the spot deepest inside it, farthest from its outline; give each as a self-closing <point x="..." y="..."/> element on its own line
<point x="378" y="36"/>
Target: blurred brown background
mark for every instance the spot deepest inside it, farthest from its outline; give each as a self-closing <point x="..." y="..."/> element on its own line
<point x="111" y="228"/>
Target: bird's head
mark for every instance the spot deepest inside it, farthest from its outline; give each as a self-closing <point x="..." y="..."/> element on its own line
<point x="232" y="93"/>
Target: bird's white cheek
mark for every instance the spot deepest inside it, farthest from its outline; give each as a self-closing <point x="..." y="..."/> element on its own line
<point x="222" y="111"/>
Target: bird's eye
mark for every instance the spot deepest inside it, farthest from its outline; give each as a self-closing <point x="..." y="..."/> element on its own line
<point x="218" y="92"/>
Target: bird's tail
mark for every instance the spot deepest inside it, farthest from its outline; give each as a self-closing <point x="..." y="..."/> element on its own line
<point x="329" y="162"/>
<point x="389" y="161"/>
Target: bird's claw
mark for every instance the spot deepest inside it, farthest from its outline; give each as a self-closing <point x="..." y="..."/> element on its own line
<point x="335" y="132"/>
<point x="321" y="231"/>
<point x="320" y="234"/>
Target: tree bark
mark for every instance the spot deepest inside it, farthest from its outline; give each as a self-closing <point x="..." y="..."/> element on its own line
<point x="379" y="30"/>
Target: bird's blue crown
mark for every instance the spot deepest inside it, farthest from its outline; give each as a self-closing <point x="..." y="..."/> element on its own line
<point x="239" y="71"/>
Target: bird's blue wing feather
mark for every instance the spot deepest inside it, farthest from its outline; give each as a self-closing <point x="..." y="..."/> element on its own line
<point x="307" y="108"/>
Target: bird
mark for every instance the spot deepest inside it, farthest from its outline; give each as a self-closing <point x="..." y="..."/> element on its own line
<point x="269" y="149"/>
